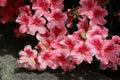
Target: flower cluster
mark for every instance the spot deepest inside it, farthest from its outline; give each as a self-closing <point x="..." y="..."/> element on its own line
<point x="49" y="22"/>
<point x="56" y="46"/>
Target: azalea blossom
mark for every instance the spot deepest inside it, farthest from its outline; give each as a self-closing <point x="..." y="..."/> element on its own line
<point x="27" y="58"/>
<point x="97" y="44"/>
<point x="46" y="59"/>
<point x="97" y="30"/>
<point x="93" y="11"/>
<point x="112" y="53"/>
<point x="24" y="20"/>
<point x="37" y="24"/>
<point x="69" y="42"/>
<point x="87" y="7"/>
<point x="61" y="58"/>
<point x="56" y="18"/>
<point x="81" y="53"/>
<point x="98" y="16"/>
<point x="41" y="7"/>
<point x="56" y="4"/>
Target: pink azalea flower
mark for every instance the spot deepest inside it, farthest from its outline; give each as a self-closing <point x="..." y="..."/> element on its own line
<point x="98" y="16"/>
<point x="37" y="24"/>
<point x="97" y="30"/>
<point x="27" y="56"/>
<point x="41" y="7"/>
<point x="110" y="50"/>
<point x="56" y="18"/>
<point x="63" y="62"/>
<point x="56" y="4"/>
<point x="96" y="43"/>
<point x="82" y="52"/>
<point x="3" y="3"/>
<point x="61" y="58"/>
<point x="23" y="19"/>
<point x="28" y="52"/>
<point x="69" y="42"/>
<point x="87" y="7"/>
<point x="46" y="59"/>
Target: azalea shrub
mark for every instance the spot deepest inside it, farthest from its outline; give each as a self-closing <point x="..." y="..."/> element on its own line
<point x="67" y="35"/>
